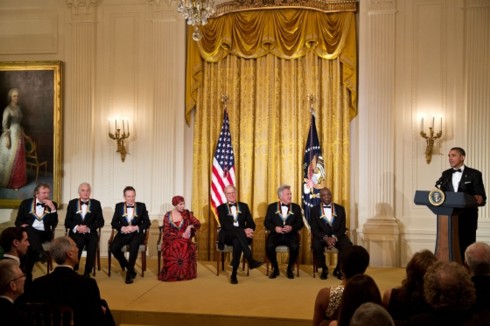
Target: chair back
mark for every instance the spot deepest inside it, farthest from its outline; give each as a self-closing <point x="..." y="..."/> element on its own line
<point x="51" y="314"/>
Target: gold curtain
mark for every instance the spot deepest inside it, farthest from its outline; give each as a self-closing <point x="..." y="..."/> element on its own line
<point x="276" y="60"/>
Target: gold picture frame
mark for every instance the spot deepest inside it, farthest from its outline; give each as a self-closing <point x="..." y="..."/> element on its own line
<point x="31" y="134"/>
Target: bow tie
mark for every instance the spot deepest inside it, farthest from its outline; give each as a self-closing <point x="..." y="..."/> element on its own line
<point x="232" y="205"/>
<point x="327" y="206"/>
<point x="40" y="204"/>
<point x="129" y="206"/>
<point x="456" y="170"/>
<point x="284" y="205"/>
<point x="84" y="202"/>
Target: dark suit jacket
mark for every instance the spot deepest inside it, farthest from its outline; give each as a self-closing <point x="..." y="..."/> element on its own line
<point x="10" y="314"/>
<point x="471" y="183"/>
<point x="320" y="228"/>
<point x="93" y="219"/>
<point x="140" y="218"/>
<point x="64" y="286"/>
<point x="273" y="218"/>
<point x="245" y="220"/>
<point x="27" y="215"/>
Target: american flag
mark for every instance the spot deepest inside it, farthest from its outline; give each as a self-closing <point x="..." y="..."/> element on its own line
<point x="223" y="165"/>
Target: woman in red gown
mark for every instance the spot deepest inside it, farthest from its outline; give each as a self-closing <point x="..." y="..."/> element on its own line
<point x="178" y="249"/>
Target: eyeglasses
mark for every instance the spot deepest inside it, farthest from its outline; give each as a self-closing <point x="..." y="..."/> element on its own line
<point x="18" y="278"/>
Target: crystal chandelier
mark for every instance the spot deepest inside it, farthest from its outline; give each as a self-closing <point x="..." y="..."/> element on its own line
<point x="196" y="13"/>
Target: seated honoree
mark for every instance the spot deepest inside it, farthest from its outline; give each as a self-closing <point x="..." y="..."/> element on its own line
<point x="237" y="230"/>
<point x="83" y="218"/>
<point x="178" y="249"/>
<point x="328" y="230"/>
<point x="39" y="217"/>
<point x="284" y="219"/>
<point x="131" y="221"/>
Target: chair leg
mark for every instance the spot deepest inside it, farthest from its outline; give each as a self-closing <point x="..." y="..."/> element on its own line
<point x="109" y="263"/>
<point x="143" y="263"/>
<point x="217" y="258"/>
<point x="159" y="260"/>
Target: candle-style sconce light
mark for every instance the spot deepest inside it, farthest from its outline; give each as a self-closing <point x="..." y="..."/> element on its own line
<point x="430" y="138"/>
<point x="119" y="136"/>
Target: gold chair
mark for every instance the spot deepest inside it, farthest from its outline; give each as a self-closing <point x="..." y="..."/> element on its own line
<point x="143" y="248"/>
<point x="97" y="253"/>
<point x="32" y="160"/>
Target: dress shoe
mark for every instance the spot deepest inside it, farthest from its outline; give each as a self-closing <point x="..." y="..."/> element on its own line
<point x="255" y="264"/>
<point x="290" y="274"/>
<point x="337" y="273"/>
<point x="233" y="279"/>
<point x="324" y="275"/>
<point x="130" y="275"/>
<point x="274" y="273"/>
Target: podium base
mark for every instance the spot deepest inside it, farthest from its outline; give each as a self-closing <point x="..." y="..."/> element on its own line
<point x="447" y="241"/>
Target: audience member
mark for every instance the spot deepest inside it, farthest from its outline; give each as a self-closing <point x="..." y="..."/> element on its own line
<point x="358" y="290"/>
<point x="477" y="259"/>
<point x="39" y="217"/>
<point x="15" y="244"/>
<point x="284" y="219"/>
<point x="449" y="292"/>
<point x="371" y="314"/>
<point x="12" y="281"/>
<point x="328" y="230"/>
<point x="408" y="300"/>
<point x="237" y="230"/>
<point x="131" y="222"/>
<point x="178" y="249"/>
<point x="64" y="286"/>
<point x="354" y="261"/>
<point x="83" y="219"/>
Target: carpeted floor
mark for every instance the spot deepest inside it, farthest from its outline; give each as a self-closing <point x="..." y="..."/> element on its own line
<point x="212" y="300"/>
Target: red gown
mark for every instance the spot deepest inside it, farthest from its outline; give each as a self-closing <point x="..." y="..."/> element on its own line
<point x="178" y="254"/>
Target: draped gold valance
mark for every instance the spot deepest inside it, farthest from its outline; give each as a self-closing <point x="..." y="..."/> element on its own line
<point x="285" y="33"/>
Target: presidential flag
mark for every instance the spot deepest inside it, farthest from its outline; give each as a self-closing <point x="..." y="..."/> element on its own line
<point x="223" y="173"/>
<point x="313" y="171"/>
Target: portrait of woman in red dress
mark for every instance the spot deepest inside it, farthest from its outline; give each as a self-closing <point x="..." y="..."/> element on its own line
<point x="178" y="249"/>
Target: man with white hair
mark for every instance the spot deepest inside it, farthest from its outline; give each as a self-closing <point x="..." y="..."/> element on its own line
<point x="477" y="259"/>
<point x="12" y="281"/>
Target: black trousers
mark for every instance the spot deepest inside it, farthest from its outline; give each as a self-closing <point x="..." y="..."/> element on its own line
<point x="238" y="239"/>
<point x="318" y="247"/>
<point x="36" y="239"/>
<point x="88" y="241"/>
<point x="274" y="240"/>
<point x="133" y="240"/>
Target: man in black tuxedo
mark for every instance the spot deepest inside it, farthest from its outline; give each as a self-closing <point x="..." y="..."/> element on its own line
<point x="66" y="287"/>
<point x="237" y="230"/>
<point x="12" y="281"/>
<point x="461" y="178"/>
<point x="477" y="259"/>
<point x="39" y="217"/>
<point x="15" y="245"/>
<point x="83" y="219"/>
<point x="131" y="222"/>
<point x="327" y="221"/>
<point x="284" y="220"/>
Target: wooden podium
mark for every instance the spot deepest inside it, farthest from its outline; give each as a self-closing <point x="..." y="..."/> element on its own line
<point x="447" y="239"/>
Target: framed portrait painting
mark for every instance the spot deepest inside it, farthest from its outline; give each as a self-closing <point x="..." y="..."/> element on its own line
<point x="31" y="138"/>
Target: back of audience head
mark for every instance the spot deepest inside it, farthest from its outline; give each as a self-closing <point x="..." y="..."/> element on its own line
<point x="11" y="234"/>
<point x="413" y="284"/>
<point x="448" y="285"/>
<point x="477" y="258"/>
<point x="371" y="314"/>
<point x="12" y="279"/>
<point x="354" y="260"/>
<point x="63" y="250"/>
<point x="358" y="290"/>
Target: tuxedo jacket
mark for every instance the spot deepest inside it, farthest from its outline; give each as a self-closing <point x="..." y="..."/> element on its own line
<point x="244" y="218"/>
<point x="27" y="215"/>
<point x="471" y="183"/>
<point x="274" y="218"/>
<point x="320" y="227"/>
<point x="65" y="286"/>
<point x="93" y="219"/>
<point x="140" y="217"/>
<point x="10" y="314"/>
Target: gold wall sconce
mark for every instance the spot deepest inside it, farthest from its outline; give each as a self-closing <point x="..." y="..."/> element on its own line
<point x="119" y="136"/>
<point x="430" y="138"/>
